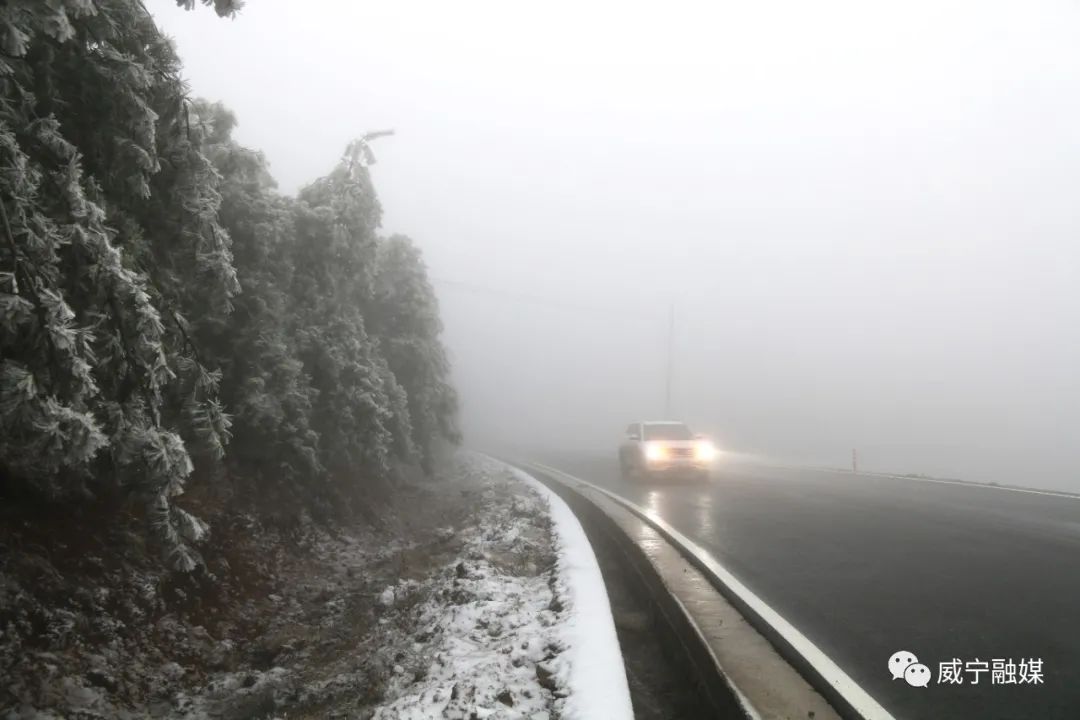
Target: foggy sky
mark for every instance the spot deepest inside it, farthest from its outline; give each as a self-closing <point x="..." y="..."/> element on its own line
<point x="865" y="216"/>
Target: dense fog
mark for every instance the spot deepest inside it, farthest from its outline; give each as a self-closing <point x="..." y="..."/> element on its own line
<point x="864" y="217"/>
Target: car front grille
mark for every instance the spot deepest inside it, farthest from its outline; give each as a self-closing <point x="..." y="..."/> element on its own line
<point x="682" y="452"/>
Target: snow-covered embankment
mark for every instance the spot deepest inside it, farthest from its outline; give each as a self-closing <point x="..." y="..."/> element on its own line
<point x="592" y="665"/>
<point x="519" y="627"/>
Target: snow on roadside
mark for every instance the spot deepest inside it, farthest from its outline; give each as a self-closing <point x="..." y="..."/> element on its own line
<point x="593" y="664"/>
<point x="519" y="627"/>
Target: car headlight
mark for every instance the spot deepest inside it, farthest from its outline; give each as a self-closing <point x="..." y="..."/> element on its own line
<point x="654" y="452"/>
<point x="704" y="451"/>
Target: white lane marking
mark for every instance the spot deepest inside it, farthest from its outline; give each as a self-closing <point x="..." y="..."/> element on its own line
<point x="1050" y="493"/>
<point x="840" y="681"/>
<point x="939" y="481"/>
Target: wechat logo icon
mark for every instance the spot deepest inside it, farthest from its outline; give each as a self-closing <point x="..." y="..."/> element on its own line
<point x="904" y="665"/>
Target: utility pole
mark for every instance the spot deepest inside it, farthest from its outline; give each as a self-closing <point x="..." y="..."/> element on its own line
<point x="670" y="344"/>
<point x="854" y="461"/>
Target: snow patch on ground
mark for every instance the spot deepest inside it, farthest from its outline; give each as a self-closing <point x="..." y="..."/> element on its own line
<point x="521" y="627"/>
<point x="592" y="666"/>
<point x="486" y="625"/>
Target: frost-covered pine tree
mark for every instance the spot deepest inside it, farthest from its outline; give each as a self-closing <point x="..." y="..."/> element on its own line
<point x="336" y="220"/>
<point x="112" y="261"/>
<point x="151" y="276"/>
<point x="266" y="384"/>
<point x="405" y="318"/>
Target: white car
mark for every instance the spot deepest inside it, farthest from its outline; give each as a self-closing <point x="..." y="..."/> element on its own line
<point x="657" y="447"/>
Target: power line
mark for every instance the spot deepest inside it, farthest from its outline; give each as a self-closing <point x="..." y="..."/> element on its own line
<point x="525" y="298"/>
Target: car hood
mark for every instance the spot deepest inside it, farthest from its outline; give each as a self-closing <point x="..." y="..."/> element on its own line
<point x="675" y="443"/>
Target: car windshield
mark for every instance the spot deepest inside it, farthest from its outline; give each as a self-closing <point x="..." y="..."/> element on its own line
<point x="668" y="431"/>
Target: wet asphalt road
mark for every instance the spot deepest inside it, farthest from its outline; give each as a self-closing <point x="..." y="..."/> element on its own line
<point x="865" y="566"/>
